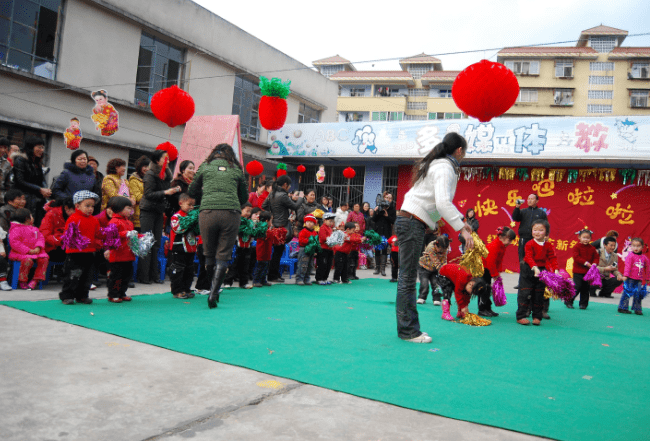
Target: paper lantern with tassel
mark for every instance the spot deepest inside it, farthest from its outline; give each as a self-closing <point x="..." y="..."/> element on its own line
<point x="172" y="151"/>
<point x="349" y="173"/>
<point x="273" y="104"/>
<point x="485" y="90"/>
<point x="173" y="106"/>
<point x="254" y="168"/>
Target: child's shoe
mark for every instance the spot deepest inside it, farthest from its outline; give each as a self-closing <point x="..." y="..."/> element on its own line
<point x="257" y="285"/>
<point x="308" y="283"/>
<point x="180" y="295"/>
<point x="189" y="294"/>
<point x="5" y="286"/>
<point x="446" y="315"/>
<point x="85" y="301"/>
<point x="347" y="282"/>
<point x="638" y="312"/>
<point x="420" y="302"/>
<point x="624" y="311"/>
<point x="115" y="300"/>
<point x="32" y="285"/>
<point x="247" y="286"/>
<point x="569" y="305"/>
<point x="266" y="283"/>
<point x="68" y="302"/>
<point x="22" y="285"/>
<point x="126" y="298"/>
<point x="523" y="321"/>
<point x="436" y="303"/>
<point x="300" y="283"/>
<point x="537" y="322"/>
<point x="336" y="281"/>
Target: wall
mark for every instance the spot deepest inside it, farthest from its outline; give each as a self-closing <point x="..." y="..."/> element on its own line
<point x="379" y="104"/>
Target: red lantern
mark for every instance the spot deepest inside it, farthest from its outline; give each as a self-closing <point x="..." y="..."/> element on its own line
<point x="485" y="90"/>
<point x="281" y="169"/>
<point x="301" y="168"/>
<point x="173" y="106"/>
<point x="349" y="173"/>
<point x="172" y="152"/>
<point x="273" y="104"/>
<point x="254" y="168"/>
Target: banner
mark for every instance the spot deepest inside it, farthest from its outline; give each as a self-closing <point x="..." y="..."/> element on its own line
<point x="585" y="138"/>
<point x="203" y="133"/>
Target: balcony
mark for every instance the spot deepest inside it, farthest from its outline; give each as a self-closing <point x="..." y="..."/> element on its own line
<point x="368" y="104"/>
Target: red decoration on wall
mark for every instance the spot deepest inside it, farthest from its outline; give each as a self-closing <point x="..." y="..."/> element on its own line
<point x="301" y="168"/>
<point x="254" y="168"/>
<point x="171" y="150"/>
<point x="485" y="90"/>
<point x="272" y="112"/>
<point x="173" y="106"/>
<point x="349" y="173"/>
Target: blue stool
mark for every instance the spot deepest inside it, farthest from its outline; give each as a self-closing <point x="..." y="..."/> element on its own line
<point x="15" y="270"/>
<point x="286" y="261"/>
<point x="48" y="272"/>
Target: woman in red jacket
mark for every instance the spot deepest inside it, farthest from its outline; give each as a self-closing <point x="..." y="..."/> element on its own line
<point x="120" y="260"/>
<point x="493" y="266"/>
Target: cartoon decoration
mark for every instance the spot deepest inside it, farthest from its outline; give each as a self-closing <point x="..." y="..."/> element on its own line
<point x="104" y="116"/>
<point x="485" y="90"/>
<point x="173" y="106"/>
<point x="254" y="168"/>
<point x="273" y="104"/>
<point x="320" y="174"/>
<point x="364" y="139"/>
<point x="72" y="135"/>
<point x="282" y="170"/>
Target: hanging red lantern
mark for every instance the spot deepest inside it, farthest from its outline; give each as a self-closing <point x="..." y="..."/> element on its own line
<point x="485" y="90"/>
<point x="172" y="151"/>
<point x="349" y="173"/>
<point x="173" y="106"/>
<point x="273" y="104"/>
<point x="282" y="170"/>
<point x="301" y="168"/>
<point x="254" y="168"/>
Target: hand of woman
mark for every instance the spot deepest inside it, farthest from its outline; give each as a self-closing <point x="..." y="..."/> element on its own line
<point x="469" y="240"/>
<point x="46" y="192"/>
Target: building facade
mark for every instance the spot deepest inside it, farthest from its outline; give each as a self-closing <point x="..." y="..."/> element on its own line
<point x="55" y="53"/>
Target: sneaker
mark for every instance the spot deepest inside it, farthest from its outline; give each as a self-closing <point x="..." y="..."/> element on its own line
<point x="322" y="283"/>
<point x="257" y="285"/>
<point x="569" y="305"/>
<point x="537" y="322"/>
<point x="420" y="301"/>
<point x="226" y="286"/>
<point x="247" y="286"/>
<point x="422" y="338"/>
<point x="308" y="283"/>
<point x="523" y="321"/>
<point x="347" y="282"/>
<point x="5" y="286"/>
<point x="85" y="301"/>
<point x="93" y="287"/>
<point x="624" y="311"/>
<point x="126" y="299"/>
<point x="485" y="314"/>
<point x="114" y="300"/>
<point x="336" y="281"/>
<point x="204" y="292"/>
<point x="180" y="295"/>
<point x="131" y="285"/>
<point x="300" y="283"/>
<point x="68" y="302"/>
<point x="638" y="312"/>
<point x="545" y="316"/>
<point x="437" y="303"/>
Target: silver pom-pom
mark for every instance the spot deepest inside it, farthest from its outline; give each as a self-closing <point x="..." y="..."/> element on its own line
<point x="336" y="238"/>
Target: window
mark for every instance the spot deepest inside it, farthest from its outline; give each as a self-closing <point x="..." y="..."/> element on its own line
<point x="416" y="106"/>
<point x="417" y="70"/>
<point x="527" y="96"/>
<point x="387" y="116"/>
<point x="353" y="116"/>
<point x="328" y="71"/>
<point x="444" y="92"/>
<point x="563" y="97"/>
<point x="389" y="91"/>
<point x="389" y="181"/>
<point x="602" y="44"/>
<point x="358" y="91"/>
<point x="418" y="92"/>
<point x="638" y="98"/>
<point x="28" y="35"/>
<point x="17" y="134"/>
<point x="599" y="108"/>
<point x="600" y="95"/>
<point x="415" y="117"/>
<point x="523" y="67"/>
<point x="159" y="66"/>
<point x="564" y="69"/>
<point x="246" y="103"/>
<point x="446" y="115"/>
<point x="597" y="66"/>
<point x="601" y="80"/>
<point x="335" y="185"/>
<point x="640" y="70"/>
<point x="308" y="114"/>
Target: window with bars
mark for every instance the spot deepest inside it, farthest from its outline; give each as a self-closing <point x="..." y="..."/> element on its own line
<point x="638" y="98"/>
<point x="328" y="71"/>
<point x="564" y="69"/>
<point x="563" y="97"/>
<point x="527" y="96"/>
<point x="388" y="91"/>
<point x="599" y="108"/>
<point x="335" y="185"/>
<point x="308" y="114"/>
<point x="640" y="70"/>
<point x="28" y="35"/>
<point x="602" y="44"/>
<point x="354" y="116"/>
<point x="600" y="95"/>
<point x="417" y="70"/>
<point x="358" y="91"/>
<point x="593" y="79"/>
<point x="416" y="106"/>
<point x="446" y="115"/>
<point x="598" y="66"/>
<point x="389" y="180"/>
<point x="159" y="66"/>
<point x="245" y="103"/>
<point x="440" y="92"/>
<point x="523" y="67"/>
<point x="387" y="116"/>
<point x="418" y="92"/>
<point x="415" y="117"/>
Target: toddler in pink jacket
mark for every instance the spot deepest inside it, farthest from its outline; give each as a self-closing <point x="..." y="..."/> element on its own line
<point x="28" y="247"/>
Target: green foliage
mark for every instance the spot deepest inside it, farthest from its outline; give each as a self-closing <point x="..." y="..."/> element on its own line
<point x="275" y="87"/>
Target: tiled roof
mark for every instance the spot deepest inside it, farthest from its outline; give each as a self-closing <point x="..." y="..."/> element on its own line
<point x="630" y="52"/>
<point x="539" y="51"/>
<point x="603" y="30"/>
<point x="336" y="59"/>
<point x="420" y="59"/>
<point x="439" y="76"/>
<point x="372" y="75"/>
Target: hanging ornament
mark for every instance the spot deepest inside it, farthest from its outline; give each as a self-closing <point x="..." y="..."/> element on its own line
<point x="485" y="90"/>
<point x="349" y="173"/>
<point x="507" y="173"/>
<point x="301" y="169"/>
<point x="282" y="170"/>
<point x="628" y="175"/>
<point x="537" y="174"/>
<point x="572" y="176"/>
<point x="254" y="168"/>
<point x="522" y="174"/>
<point x="584" y="174"/>
<point x="556" y="174"/>
<point x="172" y="151"/>
<point x="644" y="176"/>
<point x="173" y="106"/>
<point x="320" y="174"/>
<point x="606" y="174"/>
<point x="490" y="172"/>
<point x="273" y="104"/>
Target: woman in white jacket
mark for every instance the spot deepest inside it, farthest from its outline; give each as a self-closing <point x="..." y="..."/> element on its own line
<point x="430" y="198"/>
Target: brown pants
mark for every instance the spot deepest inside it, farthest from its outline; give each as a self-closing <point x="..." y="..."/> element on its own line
<point x="219" y="229"/>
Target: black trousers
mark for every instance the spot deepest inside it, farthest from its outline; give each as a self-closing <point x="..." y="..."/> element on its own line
<point x="531" y="293"/>
<point x="181" y="272"/>
<point x="428" y="278"/>
<point x="609" y="285"/>
<point x="582" y="289"/>
<point x="239" y="267"/>
<point x="261" y="270"/>
<point x="324" y="265"/>
<point x="204" y="281"/>
<point x="119" y="278"/>
<point x="77" y="276"/>
<point x="274" y="265"/>
<point x="394" y="264"/>
<point x="484" y="301"/>
<point x="252" y="262"/>
<point x="148" y="266"/>
<point x="353" y="262"/>
<point x="341" y="267"/>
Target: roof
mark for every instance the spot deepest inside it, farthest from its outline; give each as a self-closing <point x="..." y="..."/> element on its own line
<point x="630" y="52"/>
<point x="603" y="30"/>
<point x="420" y="59"/>
<point x="540" y="51"/>
<point x="439" y="76"/>
<point x="336" y="59"/>
<point x="372" y="75"/>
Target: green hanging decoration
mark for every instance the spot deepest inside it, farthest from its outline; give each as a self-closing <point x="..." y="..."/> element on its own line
<point x="373" y="237"/>
<point x="190" y="222"/>
<point x="313" y="246"/>
<point x="628" y="175"/>
<point x="571" y="176"/>
<point x="246" y="228"/>
<point x="522" y="174"/>
<point x="260" y="229"/>
<point x="275" y="87"/>
<point x="490" y="172"/>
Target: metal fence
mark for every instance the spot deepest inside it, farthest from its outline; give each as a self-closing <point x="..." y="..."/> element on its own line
<point x="335" y="184"/>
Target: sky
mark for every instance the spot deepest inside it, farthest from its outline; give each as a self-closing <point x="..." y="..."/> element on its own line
<point x="361" y="30"/>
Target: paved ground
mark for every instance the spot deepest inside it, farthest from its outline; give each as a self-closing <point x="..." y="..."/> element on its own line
<point x="63" y="382"/>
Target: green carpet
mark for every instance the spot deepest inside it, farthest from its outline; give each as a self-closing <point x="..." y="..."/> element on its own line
<point x="583" y="375"/>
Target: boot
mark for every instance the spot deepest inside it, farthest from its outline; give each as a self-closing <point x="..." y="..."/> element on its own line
<point x="217" y="279"/>
<point x="446" y="315"/>
<point x="370" y="262"/>
<point x="377" y="264"/>
<point x="383" y="258"/>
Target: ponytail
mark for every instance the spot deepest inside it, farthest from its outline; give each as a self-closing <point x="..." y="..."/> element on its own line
<point x="450" y="143"/>
<point x="279" y="182"/>
<point x="506" y="232"/>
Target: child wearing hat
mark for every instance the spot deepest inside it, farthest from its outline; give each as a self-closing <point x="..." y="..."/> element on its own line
<point x="78" y="267"/>
<point x="324" y="259"/>
<point x="304" y="259"/>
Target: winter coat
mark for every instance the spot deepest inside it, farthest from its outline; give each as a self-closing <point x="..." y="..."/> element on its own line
<point x="52" y="227"/>
<point x="341" y="217"/>
<point x="584" y="254"/>
<point x="384" y="224"/>
<point x="352" y="241"/>
<point x="89" y="228"/>
<point x="72" y="180"/>
<point x="605" y="261"/>
<point x="110" y="187"/>
<point x="460" y="277"/>
<point x="494" y="260"/>
<point x="103" y="219"/>
<point x="136" y="187"/>
<point x="526" y="218"/>
<point x="123" y="253"/>
<point x="305" y="209"/>
<point x="155" y="200"/>
<point x="28" y="177"/>
<point x="257" y="200"/>
<point x="637" y="267"/>
<point x="305" y="235"/>
<point x="23" y="238"/>
<point x="353" y="216"/>
<point x="182" y="240"/>
<point x="5" y="172"/>
<point x="264" y="248"/>
<point x="280" y="205"/>
<point x="323" y="233"/>
<point x="219" y="186"/>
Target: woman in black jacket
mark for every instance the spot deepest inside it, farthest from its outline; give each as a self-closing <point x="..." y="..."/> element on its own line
<point x="308" y="207"/>
<point x="28" y="177"/>
<point x="152" y="209"/>
<point x="383" y="219"/>
<point x="183" y="179"/>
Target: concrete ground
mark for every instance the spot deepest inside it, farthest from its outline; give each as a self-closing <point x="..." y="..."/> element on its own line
<point x="64" y="382"/>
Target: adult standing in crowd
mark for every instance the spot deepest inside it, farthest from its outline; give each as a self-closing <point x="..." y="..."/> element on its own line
<point x="357" y="216"/>
<point x="257" y="198"/>
<point x="220" y="187"/>
<point x="280" y="204"/>
<point x="325" y="204"/>
<point x="77" y="175"/>
<point x="365" y="209"/>
<point x="152" y="208"/>
<point x="308" y="206"/>
<point x="28" y="177"/>
<point x="434" y="184"/>
<point x="383" y="219"/>
<point x="5" y="167"/>
<point x="184" y="178"/>
<point x="114" y="184"/>
<point x="136" y="187"/>
<point x="99" y="181"/>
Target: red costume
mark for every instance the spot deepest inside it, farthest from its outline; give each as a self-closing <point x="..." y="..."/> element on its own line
<point x="185" y="240"/>
<point x="460" y="277"/>
<point x="540" y="255"/>
<point x="123" y="253"/>
<point x="494" y="261"/>
<point x="581" y="255"/>
<point x="323" y="233"/>
<point x="350" y="243"/>
<point x="257" y="200"/>
<point x="264" y="247"/>
<point x="305" y="234"/>
<point x="89" y="228"/>
<point x="52" y="228"/>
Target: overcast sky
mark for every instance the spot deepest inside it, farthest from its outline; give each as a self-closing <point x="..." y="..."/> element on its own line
<point x="373" y="30"/>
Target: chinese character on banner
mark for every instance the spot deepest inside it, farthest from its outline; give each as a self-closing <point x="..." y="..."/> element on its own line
<point x="479" y="140"/>
<point x="562" y="245"/>
<point x="486" y="208"/>
<point x="427" y="139"/>
<point x="530" y="138"/>
<point x="573" y="243"/>
<point x="551" y="241"/>
<point x="544" y="188"/>
<point x="491" y="237"/>
<point x="513" y="195"/>
<point x="582" y="197"/>
<point x="588" y="136"/>
<point x="625" y="214"/>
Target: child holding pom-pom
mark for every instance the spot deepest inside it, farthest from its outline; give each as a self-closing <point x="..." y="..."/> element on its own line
<point x="636" y="276"/>
<point x="493" y="267"/>
<point x="120" y="260"/>
<point x="324" y="259"/>
<point x="27" y="246"/>
<point x="305" y="259"/>
<point x="584" y="256"/>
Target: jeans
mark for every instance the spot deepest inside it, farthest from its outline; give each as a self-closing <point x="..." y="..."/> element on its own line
<point x="304" y="266"/>
<point x="410" y="234"/>
<point x="428" y="278"/>
<point x="631" y="288"/>
<point x="261" y="269"/>
<point x="148" y="266"/>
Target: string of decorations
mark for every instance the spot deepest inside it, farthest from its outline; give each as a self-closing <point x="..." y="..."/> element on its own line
<point x="627" y="175"/>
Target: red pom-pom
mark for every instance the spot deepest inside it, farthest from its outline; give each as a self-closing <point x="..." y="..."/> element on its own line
<point x="301" y="168"/>
<point x="173" y="106"/>
<point x="485" y="90"/>
<point x="272" y="112"/>
<point x="254" y="168"/>
<point x="280" y="172"/>
<point x="349" y="173"/>
<point x="171" y="150"/>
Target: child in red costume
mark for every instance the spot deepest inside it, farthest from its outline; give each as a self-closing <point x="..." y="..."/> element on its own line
<point x="120" y="260"/>
<point x="263" y="251"/>
<point x="324" y="259"/>
<point x="493" y="267"/>
<point x="342" y="252"/>
<point x="584" y="255"/>
<point x="184" y="243"/>
<point x="304" y="259"/>
<point x="458" y="279"/>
